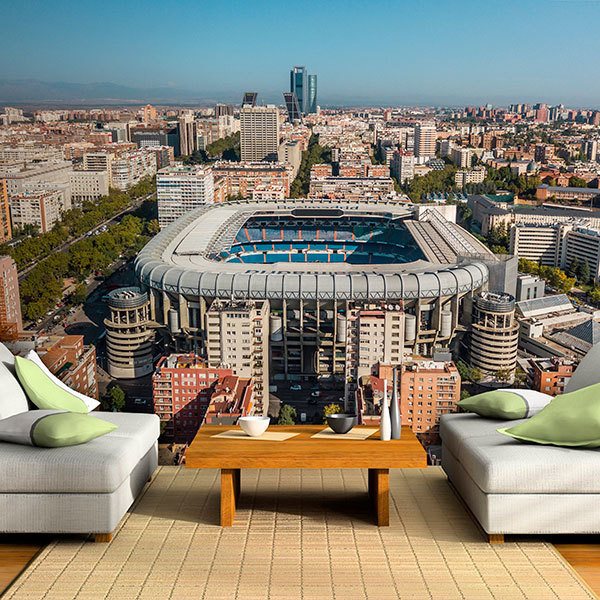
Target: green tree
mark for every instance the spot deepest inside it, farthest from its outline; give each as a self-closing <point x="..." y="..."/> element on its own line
<point x="79" y="296"/>
<point x="115" y="398"/>
<point x="503" y="374"/>
<point x="464" y="394"/>
<point x="584" y="272"/>
<point x="594" y="295"/>
<point x="287" y="415"/>
<point x="574" y="267"/>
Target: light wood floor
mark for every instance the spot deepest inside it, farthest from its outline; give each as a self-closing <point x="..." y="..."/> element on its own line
<point x="15" y="554"/>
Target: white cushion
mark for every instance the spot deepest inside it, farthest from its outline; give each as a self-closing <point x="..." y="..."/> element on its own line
<point x="7" y="357"/>
<point x="13" y="400"/>
<point x="587" y="373"/>
<point x="534" y="400"/>
<point x="91" y="403"/>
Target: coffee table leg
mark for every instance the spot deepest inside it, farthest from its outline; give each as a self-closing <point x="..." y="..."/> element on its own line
<point x="228" y="496"/>
<point x="382" y="495"/>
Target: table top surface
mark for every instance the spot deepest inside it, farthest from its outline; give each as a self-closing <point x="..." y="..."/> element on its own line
<point x="302" y="451"/>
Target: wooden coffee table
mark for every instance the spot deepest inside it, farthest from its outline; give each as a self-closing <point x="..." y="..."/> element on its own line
<point x="303" y="452"/>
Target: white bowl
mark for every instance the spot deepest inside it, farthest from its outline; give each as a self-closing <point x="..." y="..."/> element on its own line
<point x="254" y="426"/>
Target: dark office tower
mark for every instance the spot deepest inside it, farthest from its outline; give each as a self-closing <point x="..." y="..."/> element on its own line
<point x="293" y="110"/>
<point x="223" y="110"/>
<point x="249" y="99"/>
<point x="312" y="94"/>
<point x="298" y="86"/>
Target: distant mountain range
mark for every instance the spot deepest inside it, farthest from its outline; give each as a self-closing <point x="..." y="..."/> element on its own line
<point x="23" y="91"/>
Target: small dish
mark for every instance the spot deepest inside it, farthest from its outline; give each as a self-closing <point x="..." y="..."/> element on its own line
<point x="254" y="426"/>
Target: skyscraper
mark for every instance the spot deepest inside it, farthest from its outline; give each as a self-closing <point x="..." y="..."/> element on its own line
<point x="425" y="138"/>
<point x="5" y="227"/>
<point x="293" y="110"/>
<point x="259" y="133"/>
<point x="298" y="86"/>
<point x="312" y="94"/>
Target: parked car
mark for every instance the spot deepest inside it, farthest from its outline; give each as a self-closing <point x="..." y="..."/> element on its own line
<point x="315" y="394"/>
<point x="296" y="387"/>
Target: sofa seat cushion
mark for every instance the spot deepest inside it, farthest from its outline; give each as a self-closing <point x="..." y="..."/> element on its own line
<point x="456" y="428"/>
<point x="500" y="465"/>
<point x="99" y="466"/>
<point x="141" y="427"/>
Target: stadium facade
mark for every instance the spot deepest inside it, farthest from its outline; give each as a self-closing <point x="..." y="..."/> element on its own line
<point x="300" y="289"/>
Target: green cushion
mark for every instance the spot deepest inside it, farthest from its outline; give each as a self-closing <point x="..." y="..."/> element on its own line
<point x="42" y="391"/>
<point x="571" y="420"/>
<point x="52" y="428"/>
<point x="68" y="429"/>
<point x="507" y="404"/>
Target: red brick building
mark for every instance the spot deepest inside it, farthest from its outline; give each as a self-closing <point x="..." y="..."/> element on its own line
<point x="11" y="322"/>
<point x="550" y="375"/>
<point x="72" y="362"/>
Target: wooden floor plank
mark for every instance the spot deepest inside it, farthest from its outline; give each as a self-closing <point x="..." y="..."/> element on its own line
<point x="583" y="554"/>
<point x="16" y="552"/>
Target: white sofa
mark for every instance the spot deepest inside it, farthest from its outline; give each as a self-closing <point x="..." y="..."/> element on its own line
<point x="516" y="488"/>
<point x="79" y="489"/>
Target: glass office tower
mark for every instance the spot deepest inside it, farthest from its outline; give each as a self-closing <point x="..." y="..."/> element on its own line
<point x="298" y="86"/>
<point x="312" y="94"/>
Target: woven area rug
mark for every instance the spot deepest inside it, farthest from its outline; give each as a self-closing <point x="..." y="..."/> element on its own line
<point x="298" y="535"/>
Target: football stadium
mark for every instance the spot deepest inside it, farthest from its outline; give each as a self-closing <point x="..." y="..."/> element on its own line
<point x="314" y="273"/>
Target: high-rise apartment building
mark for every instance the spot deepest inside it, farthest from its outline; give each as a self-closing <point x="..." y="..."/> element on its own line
<point x="425" y="140"/>
<point x="551" y="375"/>
<point x="299" y="86"/>
<point x="222" y="110"/>
<point x="494" y="334"/>
<point x="11" y="322"/>
<point x="5" y="225"/>
<point x="187" y="133"/>
<point x="589" y="149"/>
<point x="427" y="390"/>
<point x="237" y="337"/>
<point x="149" y="114"/>
<point x="539" y="243"/>
<point x="42" y="209"/>
<point x="180" y="189"/>
<point x="312" y="94"/>
<point x="402" y="166"/>
<point x="88" y="186"/>
<point x="259" y="133"/>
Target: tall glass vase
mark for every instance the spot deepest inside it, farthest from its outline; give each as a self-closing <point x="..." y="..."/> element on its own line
<point x="385" y="426"/>
<point x="395" y="408"/>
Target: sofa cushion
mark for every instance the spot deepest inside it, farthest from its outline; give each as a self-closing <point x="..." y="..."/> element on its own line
<point x="7" y="358"/>
<point x="100" y="466"/>
<point x="455" y="428"/>
<point x="143" y="428"/>
<point x="500" y="465"/>
<point x="13" y="400"/>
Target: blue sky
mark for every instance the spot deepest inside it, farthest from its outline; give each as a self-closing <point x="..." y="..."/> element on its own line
<point x="403" y="52"/>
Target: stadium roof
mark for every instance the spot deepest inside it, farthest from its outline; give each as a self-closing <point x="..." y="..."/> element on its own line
<point x="181" y="259"/>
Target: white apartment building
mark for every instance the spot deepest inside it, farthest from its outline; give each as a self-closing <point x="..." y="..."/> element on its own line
<point x="237" y="337"/>
<point x="259" y="132"/>
<point x="41" y="208"/>
<point x="350" y="187"/>
<point x="425" y="140"/>
<point x="88" y="186"/>
<point x="539" y="243"/>
<point x="582" y="244"/>
<point x="129" y="168"/>
<point x="30" y="151"/>
<point x="22" y="177"/>
<point x="180" y="189"/>
<point x="461" y="157"/>
<point x="374" y="336"/>
<point x="402" y="166"/>
<point x="97" y="161"/>
<point x="290" y="153"/>
<point x="465" y="176"/>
